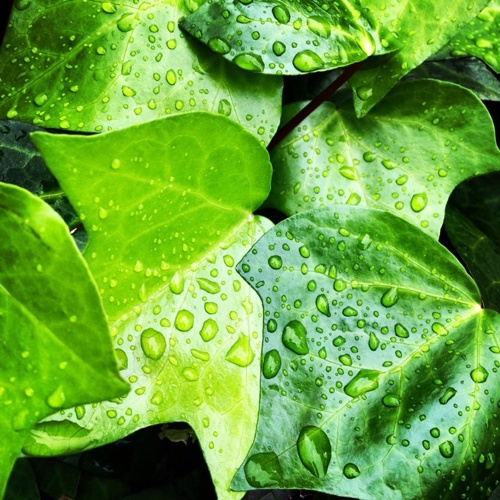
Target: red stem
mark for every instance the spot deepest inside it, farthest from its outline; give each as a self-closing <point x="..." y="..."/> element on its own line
<point x="307" y="110"/>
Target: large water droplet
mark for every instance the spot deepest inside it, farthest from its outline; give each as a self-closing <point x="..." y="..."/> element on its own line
<point x="209" y="330"/>
<point x="249" y="61"/>
<point x="279" y="48"/>
<point x="447" y="449"/>
<point x="153" y="343"/>
<point x="349" y="173"/>
<point x="295" y="337"/>
<point x="448" y="394"/>
<point x="390" y="297"/>
<point x="208" y="285"/>
<point x="322" y="305"/>
<point x="281" y="14"/>
<point x="479" y="374"/>
<point x="121" y="358"/>
<point x="319" y="26"/>
<point x="307" y="61"/>
<point x="349" y="311"/>
<point x="315" y="450"/>
<point x="275" y="262"/>
<point x="351" y="471"/>
<point x="364" y="381"/>
<point x="418" y="202"/>
<point x="184" y="320"/>
<point x="219" y="45"/>
<point x="241" y="352"/>
<point x="57" y="398"/>
<point x="127" y="22"/>
<point x="401" y="331"/>
<point x="391" y="400"/>
<point x="263" y="470"/>
<point x="272" y="364"/>
<point x="345" y="359"/>
<point x="40" y="99"/>
<point x="374" y="342"/>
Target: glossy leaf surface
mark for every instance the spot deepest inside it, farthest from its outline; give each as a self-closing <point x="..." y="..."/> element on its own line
<point x="107" y="65"/>
<point x="289" y="37"/>
<point x="422" y="28"/>
<point x="405" y="157"/>
<point x="165" y="231"/>
<point x="54" y="337"/>
<point x="479" y="38"/>
<point x="374" y="340"/>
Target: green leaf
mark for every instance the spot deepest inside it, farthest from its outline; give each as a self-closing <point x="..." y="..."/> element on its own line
<point x="168" y="208"/>
<point x="471" y="223"/>
<point x="405" y="157"/>
<point x="422" y="28"/>
<point x="54" y="335"/>
<point x="288" y="37"/>
<point x="479" y="38"/>
<point x="99" y="66"/>
<point x="393" y="391"/>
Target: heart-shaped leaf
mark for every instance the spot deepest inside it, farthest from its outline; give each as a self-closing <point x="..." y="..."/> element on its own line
<point x="54" y="335"/>
<point x="107" y="65"/>
<point x="422" y="27"/>
<point x="289" y="37"/>
<point x="168" y="209"/>
<point x="405" y="157"/>
<point x="380" y="369"/>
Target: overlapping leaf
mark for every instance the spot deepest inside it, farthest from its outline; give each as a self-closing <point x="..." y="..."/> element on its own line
<point x="471" y="222"/>
<point x="288" y="37"/>
<point x="422" y="28"/>
<point x="479" y="38"/>
<point x="380" y="369"/>
<point x="405" y="157"/>
<point x="107" y="65"/>
<point x="167" y="205"/>
<point x="54" y="337"/>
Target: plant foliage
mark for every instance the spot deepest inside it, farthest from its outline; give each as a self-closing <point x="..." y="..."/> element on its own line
<point x="345" y="349"/>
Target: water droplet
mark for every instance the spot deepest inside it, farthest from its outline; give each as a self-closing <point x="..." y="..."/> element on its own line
<point x="121" y="359"/>
<point x="153" y="343"/>
<point x="418" y="202"/>
<point x="338" y="341"/>
<point x="157" y="398"/>
<point x="116" y="163"/>
<point x="401" y="331"/>
<point x="349" y="173"/>
<point x="319" y="26"/>
<point x="364" y="381"/>
<point x="446" y="449"/>
<point x="219" y="45"/>
<point x="315" y="450"/>
<point x="40" y="99"/>
<point x="208" y="285"/>
<point x="241" y="352"/>
<point x="364" y="93"/>
<point x="374" y="342"/>
<point x="80" y="411"/>
<point x="391" y="400"/>
<point x="184" y="320"/>
<point x="368" y="156"/>
<point x="322" y="305"/>
<point x="275" y="262"/>
<point x="390" y="297"/>
<point x="307" y="60"/>
<point x="479" y="374"/>
<point x="127" y="22"/>
<point x="271" y="364"/>
<point x="209" y="330"/>
<point x="57" y="398"/>
<point x="349" y="311"/>
<point x="176" y="284"/>
<point x="322" y="353"/>
<point x="295" y="337"/>
<point x="281" y="14"/>
<point x="108" y="7"/>
<point x="224" y="107"/>
<point x="263" y="470"/>
<point x="448" y="394"/>
<point x="345" y="359"/>
<point x="351" y="471"/>
<point x="439" y="329"/>
<point x="389" y="164"/>
<point x="190" y="374"/>
<point x="249" y="61"/>
<point x="435" y="432"/>
<point x="127" y="91"/>
<point x="279" y="48"/>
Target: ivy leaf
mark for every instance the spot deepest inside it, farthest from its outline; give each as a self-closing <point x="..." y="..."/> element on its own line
<point x="479" y="38"/>
<point x="288" y="37"/>
<point x="405" y="157"/>
<point x="468" y="72"/>
<point x="422" y="28"/>
<point x="108" y="65"/>
<point x="472" y="225"/>
<point x="168" y="208"/>
<point x="378" y="363"/>
<point x="54" y="336"/>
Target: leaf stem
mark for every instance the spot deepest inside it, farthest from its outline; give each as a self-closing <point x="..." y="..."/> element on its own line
<point x="319" y="99"/>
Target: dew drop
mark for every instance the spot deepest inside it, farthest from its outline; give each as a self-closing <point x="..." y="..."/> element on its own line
<point x="349" y="173"/>
<point x="351" y="471"/>
<point x="439" y="329"/>
<point x="275" y="262"/>
<point x="57" y="398"/>
<point x="448" y="394"/>
<point x="364" y="381"/>
<point x="345" y="359"/>
<point x="279" y="48"/>
<point x="418" y="202"/>
<point x="249" y="61"/>
<point x="391" y="400"/>
<point x="80" y="411"/>
<point x="319" y="26"/>
<point x="315" y="450"/>
<point x="271" y="364"/>
<point x="479" y="374"/>
<point x="263" y="470"/>
<point x="389" y="164"/>
<point x="390" y="297"/>
<point x="349" y="311"/>
<point x="281" y="14"/>
<point x="127" y="91"/>
<point x="40" y="99"/>
<point x="364" y="93"/>
<point x="368" y="156"/>
<point x="209" y="330"/>
<point x="184" y="320"/>
<point x="401" y="331"/>
<point x="446" y="449"/>
<point x="127" y="22"/>
<point x="374" y="342"/>
<point x="322" y="305"/>
<point x="190" y="374"/>
<point x="115" y="164"/>
<point x="241" y="352"/>
<point x="224" y="107"/>
<point x="307" y="61"/>
<point x="208" y="286"/>
<point x="219" y="45"/>
<point x="295" y="337"/>
<point x="121" y="358"/>
<point x="153" y="343"/>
